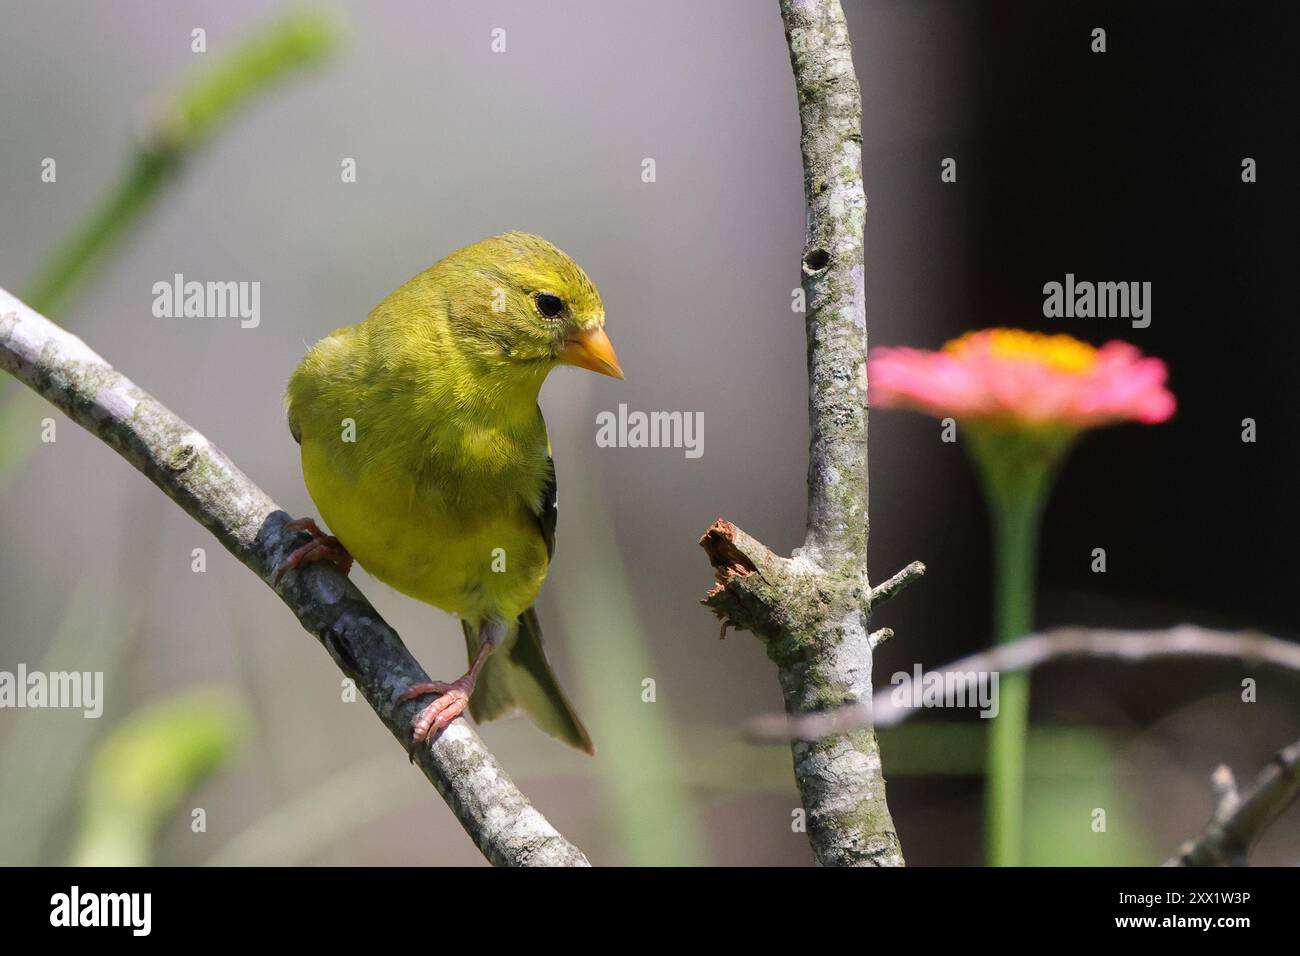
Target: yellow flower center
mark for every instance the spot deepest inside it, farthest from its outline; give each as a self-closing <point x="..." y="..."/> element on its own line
<point x="1062" y="353"/>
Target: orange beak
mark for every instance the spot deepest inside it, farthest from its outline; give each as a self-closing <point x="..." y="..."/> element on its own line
<point x="590" y="349"/>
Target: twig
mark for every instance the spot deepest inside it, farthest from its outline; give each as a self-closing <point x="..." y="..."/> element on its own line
<point x="206" y="484"/>
<point x="1029" y="652"/>
<point x="1238" y="821"/>
<point x="883" y="592"/>
<point x="812" y="609"/>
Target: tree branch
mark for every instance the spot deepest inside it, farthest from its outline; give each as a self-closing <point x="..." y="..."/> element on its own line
<point x="883" y="592"/>
<point x="812" y="609"/>
<point x="1237" y="821"/>
<point x="1032" y="651"/>
<point x="206" y="484"/>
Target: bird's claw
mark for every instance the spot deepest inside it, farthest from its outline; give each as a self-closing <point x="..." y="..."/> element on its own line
<point x="321" y="547"/>
<point x="450" y="703"/>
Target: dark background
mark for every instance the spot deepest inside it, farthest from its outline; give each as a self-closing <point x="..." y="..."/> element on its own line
<point x="1127" y="166"/>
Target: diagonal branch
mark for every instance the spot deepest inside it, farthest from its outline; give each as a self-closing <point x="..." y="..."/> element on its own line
<point x="811" y="610"/>
<point x="1239" y="820"/>
<point x="206" y="484"/>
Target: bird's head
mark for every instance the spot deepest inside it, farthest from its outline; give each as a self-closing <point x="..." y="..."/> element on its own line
<point x="520" y="302"/>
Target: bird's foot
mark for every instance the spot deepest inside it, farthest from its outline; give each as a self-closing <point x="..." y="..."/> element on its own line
<point x="450" y="703"/>
<point x="321" y="547"/>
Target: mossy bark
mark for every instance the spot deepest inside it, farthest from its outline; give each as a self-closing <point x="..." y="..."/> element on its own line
<point x="811" y="609"/>
<point x="813" y="623"/>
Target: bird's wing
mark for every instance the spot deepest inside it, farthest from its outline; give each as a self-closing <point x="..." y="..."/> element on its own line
<point x="550" y="513"/>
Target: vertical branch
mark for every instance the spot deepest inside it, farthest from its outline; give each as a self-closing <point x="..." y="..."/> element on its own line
<point x="830" y="119"/>
<point x="812" y="609"/>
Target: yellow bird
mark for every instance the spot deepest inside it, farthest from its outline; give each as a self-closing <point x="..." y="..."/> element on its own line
<point x="424" y="449"/>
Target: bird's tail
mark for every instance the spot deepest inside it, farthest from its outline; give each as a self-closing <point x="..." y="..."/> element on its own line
<point x="517" y="677"/>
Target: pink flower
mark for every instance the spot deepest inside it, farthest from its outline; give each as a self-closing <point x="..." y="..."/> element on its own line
<point x="1023" y="379"/>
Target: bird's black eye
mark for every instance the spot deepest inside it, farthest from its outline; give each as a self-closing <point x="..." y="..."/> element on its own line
<point x="549" y="305"/>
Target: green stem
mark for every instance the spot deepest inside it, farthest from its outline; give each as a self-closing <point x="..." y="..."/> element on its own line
<point x="62" y="273"/>
<point x="1015" y="549"/>
<point x="188" y="117"/>
<point x="649" y="803"/>
<point x="195" y="110"/>
<point x="1017" y="465"/>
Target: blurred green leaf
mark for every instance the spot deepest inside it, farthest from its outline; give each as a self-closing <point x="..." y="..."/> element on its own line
<point x="1059" y="823"/>
<point x="43" y="750"/>
<point x="203" y="101"/>
<point x="948" y="747"/>
<point x="650" y="808"/>
<point x="1071" y="773"/>
<point x="143" y="769"/>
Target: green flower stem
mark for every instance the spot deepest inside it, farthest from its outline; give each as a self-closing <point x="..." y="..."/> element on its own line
<point x="1015" y="550"/>
<point x="1017" y="466"/>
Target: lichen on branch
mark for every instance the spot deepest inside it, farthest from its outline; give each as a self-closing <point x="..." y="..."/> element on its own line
<point x="811" y="609"/>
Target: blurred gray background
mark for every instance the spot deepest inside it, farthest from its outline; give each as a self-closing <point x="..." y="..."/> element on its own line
<point x="454" y="143"/>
